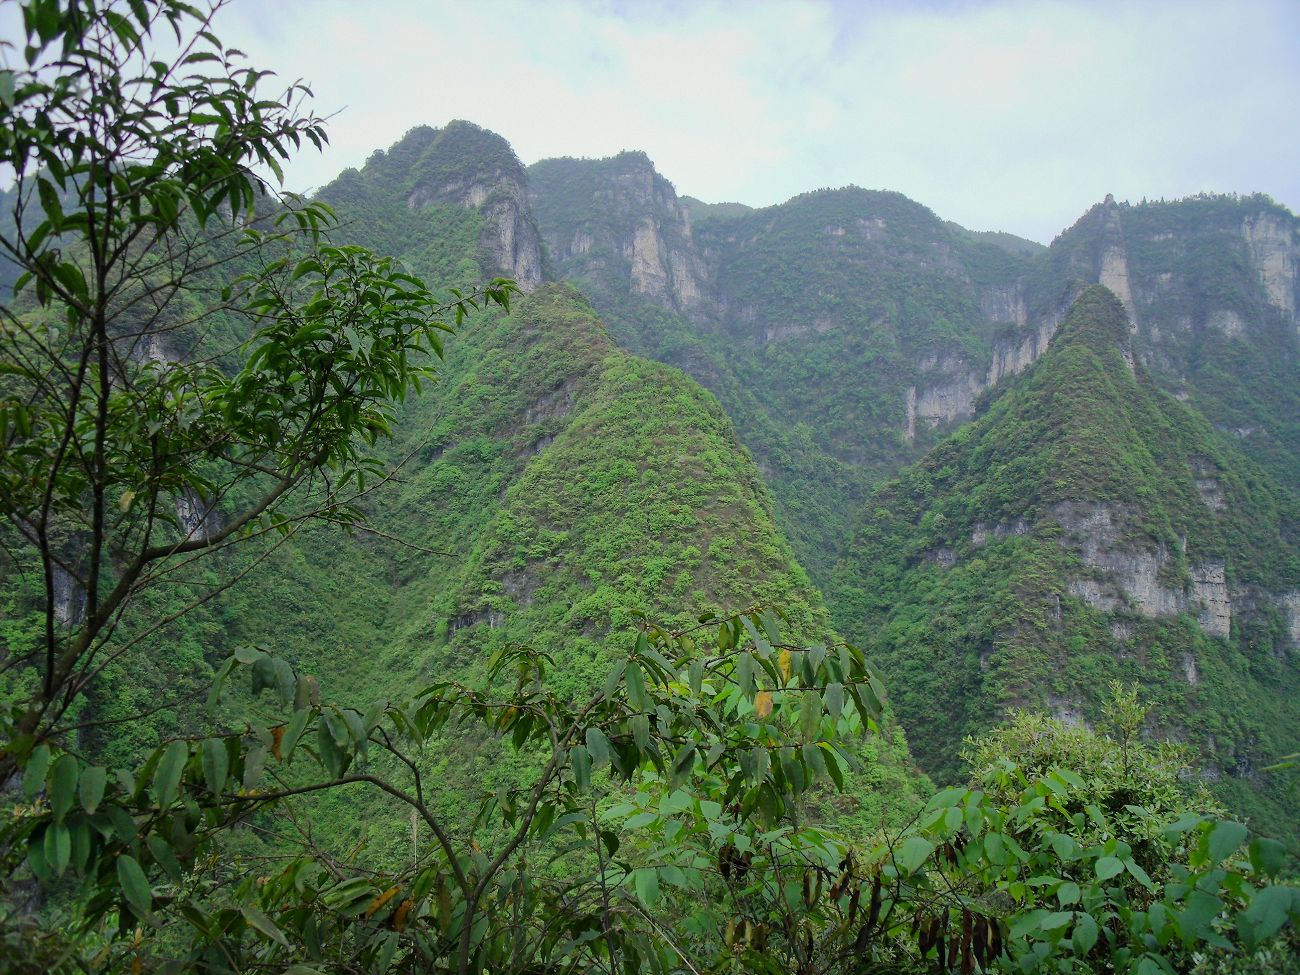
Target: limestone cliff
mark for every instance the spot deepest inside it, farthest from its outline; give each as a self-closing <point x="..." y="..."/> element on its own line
<point x="616" y="227"/>
<point x="459" y="165"/>
<point x="1210" y="284"/>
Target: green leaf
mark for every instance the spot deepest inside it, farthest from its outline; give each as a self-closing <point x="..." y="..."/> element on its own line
<point x="248" y="655"/>
<point x="640" y="725"/>
<point x="260" y="922"/>
<point x="1055" y="919"/>
<point x="167" y="778"/>
<point x="1201" y="910"/>
<point x="1225" y="837"/>
<point x="91" y="787"/>
<point x="1269" y="911"/>
<point x="1141" y="875"/>
<point x="615" y="678"/>
<point x="646" y="881"/>
<point x="810" y="714"/>
<point x="1084" y="935"/>
<point x="1068" y="893"/>
<point x="58" y="847"/>
<point x="833" y="766"/>
<point x="1108" y="867"/>
<point x="597" y="746"/>
<point x="911" y="853"/>
<point x="995" y="849"/>
<point x="636" y="693"/>
<point x="34" y="773"/>
<point x="696" y="676"/>
<point x="580" y="760"/>
<point x="1267" y="856"/>
<point x="297" y="724"/>
<point x="134" y="884"/>
<point x="165" y="858"/>
<point x="745" y="674"/>
<point x="834" y="698"/>
<point x="62" y="790"/>
<point x="1064" y="846"/>
<point x="216" y="765"/>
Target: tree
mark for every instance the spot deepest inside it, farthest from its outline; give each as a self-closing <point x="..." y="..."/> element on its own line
<point x="185" y="361"/>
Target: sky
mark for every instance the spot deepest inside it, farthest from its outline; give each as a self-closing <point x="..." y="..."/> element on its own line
<point x="999" y="115"/>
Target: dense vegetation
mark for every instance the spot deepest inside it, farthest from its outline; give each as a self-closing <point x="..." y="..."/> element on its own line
<point x="965" y="577"/>
<point x="1211" y="329"/>
<point x="816" y="322"/>
<point x="518" y="671"/>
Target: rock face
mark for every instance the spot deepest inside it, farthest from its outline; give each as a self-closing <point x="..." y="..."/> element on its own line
<point x="617" y="226"/>
<point x="1137" y="578"/>
<point x="198" y="519"/>
<point x="1290" y="603"/>
<point x="471" y="167"/>
<point x="1127" y="576"/>
<point x="1211" y="286"/>
<point x="69" y="598"/>
<point x="1014" y="355"/>
<point x="1112" y="258"/>
<point x="1006" y="303"/>
<point x="1210" y="591"/>
<point x="949" y="401"/>
<point x="1271" y="240"/>
<point x="460" y="165"/>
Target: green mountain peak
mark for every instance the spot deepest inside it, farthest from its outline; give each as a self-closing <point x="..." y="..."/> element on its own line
<point x="1097" y="321"/>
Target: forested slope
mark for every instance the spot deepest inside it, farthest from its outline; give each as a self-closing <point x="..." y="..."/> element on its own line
<point x="1088" y="527"/>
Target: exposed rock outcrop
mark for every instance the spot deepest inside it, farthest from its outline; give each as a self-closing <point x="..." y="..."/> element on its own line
<point x="626" y="231"/>
<point x="949" y="401"/>
<point x="467" y="166"/>
<point x="1006" y="303"/>
<point x="1205" y="475"/>
<point x="198" y="519"/>
<point x="1136" y="575"/>
<point x="1014" y="355"/>
<point x="1112" y="268"/>
<point x="69" y="598"/>
<point x="1210" y="590"/>
<point x="1290" y="603"/>
<point x="1271" y="240"/>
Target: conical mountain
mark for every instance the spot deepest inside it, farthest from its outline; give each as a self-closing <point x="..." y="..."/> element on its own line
<point x="1087" y="527"/>
<point x="1212" y="287"/>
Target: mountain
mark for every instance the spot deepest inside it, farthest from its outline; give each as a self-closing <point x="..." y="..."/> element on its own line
<point x="1088" y="527"/>
<point x="827" y="326"/>
<point x="551" y="489"/>
<point x="469" y="177"/>
<point x="1212" y="285"/>
<point x="719" y="404"/>
<point x="846" y="330"/>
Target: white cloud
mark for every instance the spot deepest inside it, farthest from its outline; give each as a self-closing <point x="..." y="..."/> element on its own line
<point x="1005" y="115"/>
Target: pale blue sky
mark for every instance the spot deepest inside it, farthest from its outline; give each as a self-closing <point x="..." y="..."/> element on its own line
<point x="999" y="115"/>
